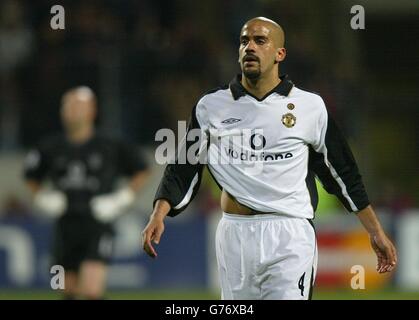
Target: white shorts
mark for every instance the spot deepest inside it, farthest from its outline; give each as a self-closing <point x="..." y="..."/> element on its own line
<point x="265" y="256"/>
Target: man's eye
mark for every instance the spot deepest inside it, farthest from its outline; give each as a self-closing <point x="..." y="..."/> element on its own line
<point x="260" y="41"/>
<point x="244" y="42"/>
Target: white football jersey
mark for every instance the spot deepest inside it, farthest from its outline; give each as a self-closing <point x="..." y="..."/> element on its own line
<point x="266" y="152"/>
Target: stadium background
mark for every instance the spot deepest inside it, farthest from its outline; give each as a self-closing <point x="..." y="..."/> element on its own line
<point x="149" y="61"/>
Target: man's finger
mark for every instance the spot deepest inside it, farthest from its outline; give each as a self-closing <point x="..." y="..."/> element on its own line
<point x="149" y="249"/>
<point x="157" y="236"/>
<point x="382" y="261"/>
<point x="147" y="246"/>
<point x="386" y="262"/>
<point x="392" y="261"/>
<point x="388" y="259"/>
<point x="379" y="259"/>
<point x="389" y="256"/>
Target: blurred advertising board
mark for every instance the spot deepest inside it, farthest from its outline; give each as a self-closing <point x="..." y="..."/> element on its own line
<point x="181" y="261"/>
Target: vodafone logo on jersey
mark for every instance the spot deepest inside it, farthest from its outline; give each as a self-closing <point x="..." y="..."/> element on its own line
<point x="257" y="141"/>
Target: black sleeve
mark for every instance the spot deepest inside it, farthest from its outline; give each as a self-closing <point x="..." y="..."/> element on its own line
<point x="36" y="163"/>
<point x="182" y="178"/>
<point x="130" y="159"/>
<point x="335" y="166"/>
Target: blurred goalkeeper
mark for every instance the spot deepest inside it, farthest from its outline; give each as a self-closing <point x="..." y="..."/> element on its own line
<point x="72" y="178"/>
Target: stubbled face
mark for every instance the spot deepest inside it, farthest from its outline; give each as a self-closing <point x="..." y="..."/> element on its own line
<point x="77" y="111"/>
<point x="257" y="52"/>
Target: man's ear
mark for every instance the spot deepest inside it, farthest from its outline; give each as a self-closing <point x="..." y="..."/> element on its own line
<point x="281" y="53"/>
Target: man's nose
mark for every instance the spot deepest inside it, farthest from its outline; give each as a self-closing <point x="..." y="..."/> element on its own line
<point x="250" y="47"/>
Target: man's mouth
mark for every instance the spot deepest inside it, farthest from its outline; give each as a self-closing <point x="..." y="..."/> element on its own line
<point x="250" y="59"/>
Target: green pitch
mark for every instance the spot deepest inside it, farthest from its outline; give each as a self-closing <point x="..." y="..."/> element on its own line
<point x="206" y="295"/>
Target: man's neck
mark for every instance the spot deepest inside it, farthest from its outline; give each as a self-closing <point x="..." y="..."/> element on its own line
<point x="80" y="135"/>
<point x="261" y="86"/>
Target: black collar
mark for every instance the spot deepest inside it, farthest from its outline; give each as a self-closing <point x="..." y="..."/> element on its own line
<point x="237" y="89"/>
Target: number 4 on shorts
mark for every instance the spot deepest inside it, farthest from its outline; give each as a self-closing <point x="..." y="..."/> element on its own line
<point x="301" y="284"/>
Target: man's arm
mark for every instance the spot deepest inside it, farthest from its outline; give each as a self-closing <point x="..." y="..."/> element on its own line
<point x="382" y="246"/>
<point x="180" y="182"/>
<point x="332" y="161"/>
<point x="182" y="177"/>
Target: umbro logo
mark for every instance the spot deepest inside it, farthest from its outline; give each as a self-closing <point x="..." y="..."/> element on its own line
<point x="231" y="120"/>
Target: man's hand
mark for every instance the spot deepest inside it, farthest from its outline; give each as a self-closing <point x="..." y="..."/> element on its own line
<point x="385" y="251"/>
<point x="155" y="227"/>
<point x="152" y="232"/>
<point x="383" y="247"/>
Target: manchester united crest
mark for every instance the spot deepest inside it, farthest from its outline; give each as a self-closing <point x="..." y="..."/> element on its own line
<point x="289" y="120"/>
<point x="290" y="106"/>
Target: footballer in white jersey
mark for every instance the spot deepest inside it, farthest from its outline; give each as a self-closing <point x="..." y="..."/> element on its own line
<point x="264" y="141"/>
